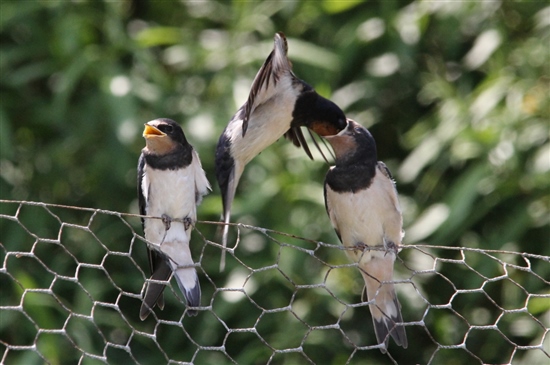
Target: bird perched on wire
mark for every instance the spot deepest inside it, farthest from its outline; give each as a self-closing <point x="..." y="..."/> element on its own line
<point x="362" y="204"/>
<point x="278" y="104"/>
<point x="171" y="183"/>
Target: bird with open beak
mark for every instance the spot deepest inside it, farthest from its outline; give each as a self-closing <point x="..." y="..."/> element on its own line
<point x="278" y="104"/>
<point x="362" y="204"/>
<point x="171" y="183"/>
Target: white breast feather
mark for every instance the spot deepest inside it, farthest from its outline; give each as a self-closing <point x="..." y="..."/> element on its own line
<point x="268" y="122"/>
<point x="173" y="193"/>
<point x="366" y="216"/>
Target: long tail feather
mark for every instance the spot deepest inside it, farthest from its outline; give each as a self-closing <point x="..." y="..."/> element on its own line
<point x="153" y="293"/>
<point x="225" y="234"/>
<point x="386" y="325"/>
<point x="192" y="293"/>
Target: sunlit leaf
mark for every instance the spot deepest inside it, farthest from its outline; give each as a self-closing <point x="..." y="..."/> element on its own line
<point x="339" y="6"/>
<point x="159" y="36"/>
<point x="313" y="55"/>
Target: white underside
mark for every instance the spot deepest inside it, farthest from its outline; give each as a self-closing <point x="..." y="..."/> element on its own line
<point x="371" y="216"/>
<point x="173" y="193"/>
<point x="270" y="120"/>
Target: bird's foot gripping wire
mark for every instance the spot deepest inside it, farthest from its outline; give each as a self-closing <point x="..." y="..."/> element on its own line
<point x="167" y="221"/>
<point x="187" y="222"/>
<point x="391" y="247"/>
<point x="360" y="246"/>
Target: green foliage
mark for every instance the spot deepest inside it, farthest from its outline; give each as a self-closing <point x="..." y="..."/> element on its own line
<point x="456" y="95"/>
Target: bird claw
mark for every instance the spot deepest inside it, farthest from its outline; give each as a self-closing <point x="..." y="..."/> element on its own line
<point x="167" y="221"/>
<point x="360" y="246"/>
<point x="187" y="222"/>
<point x="390" y="247"/>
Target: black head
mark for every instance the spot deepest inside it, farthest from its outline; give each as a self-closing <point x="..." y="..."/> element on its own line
<point x="318" y="114"/>
<point x="163" y="136"/>
<point x="353" y="144"/>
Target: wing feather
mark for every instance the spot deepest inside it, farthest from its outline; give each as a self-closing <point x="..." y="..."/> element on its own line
<point x="275" y="64"/>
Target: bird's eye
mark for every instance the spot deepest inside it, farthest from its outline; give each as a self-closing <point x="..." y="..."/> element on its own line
<point x="166" y="128"/>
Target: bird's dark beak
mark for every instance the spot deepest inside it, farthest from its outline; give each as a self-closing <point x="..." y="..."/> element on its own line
<point x="151" y="131"/>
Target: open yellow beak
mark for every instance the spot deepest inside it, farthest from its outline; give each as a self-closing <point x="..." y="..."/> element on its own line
<point x="151" y="131"/>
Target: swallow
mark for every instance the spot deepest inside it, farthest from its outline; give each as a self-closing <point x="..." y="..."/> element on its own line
<point x="171" y="183"/>
<point x="278" y="105"/>
<point x="362" y="204"/>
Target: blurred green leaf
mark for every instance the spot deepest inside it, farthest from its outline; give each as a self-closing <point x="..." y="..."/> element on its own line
<point x="334" y="7"/>
<point x="313" y="55"/>
<point x="6" y="136"/>
<point x="539" y="305"/>
<point x="159" y="36"/>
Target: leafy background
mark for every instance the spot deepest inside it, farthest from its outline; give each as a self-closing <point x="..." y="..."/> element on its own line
<point x="456" y="95"/>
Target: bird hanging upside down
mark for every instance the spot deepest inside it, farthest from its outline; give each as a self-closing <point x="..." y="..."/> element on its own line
<point x="171" y="183"/>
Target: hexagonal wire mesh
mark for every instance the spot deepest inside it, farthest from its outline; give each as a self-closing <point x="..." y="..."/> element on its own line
<point x="72" y="280"/>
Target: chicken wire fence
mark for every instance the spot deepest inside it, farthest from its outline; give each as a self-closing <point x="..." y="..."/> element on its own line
<point x="72" y="280"/>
